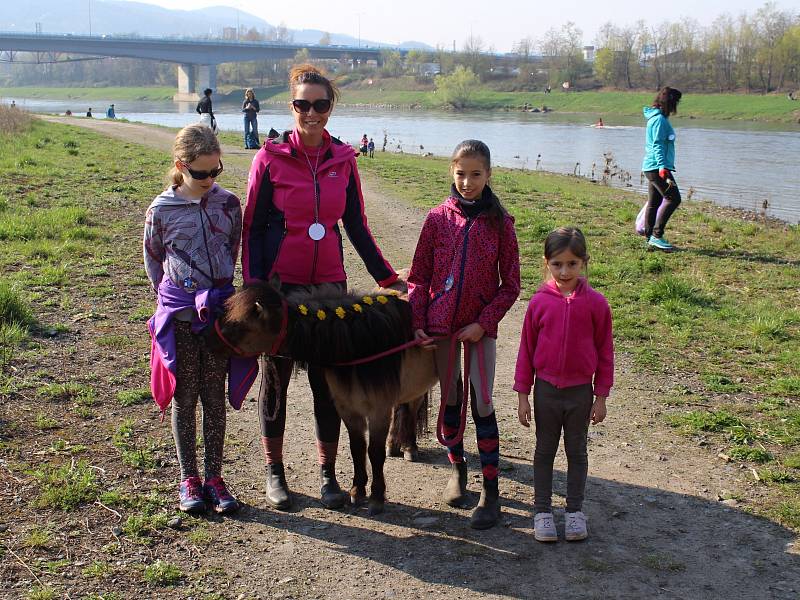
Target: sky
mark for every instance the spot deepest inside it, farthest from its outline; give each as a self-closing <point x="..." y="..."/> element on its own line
<point x="500" y="24"/>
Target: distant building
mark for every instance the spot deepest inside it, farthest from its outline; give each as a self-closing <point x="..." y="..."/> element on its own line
<point x="588" y="53"/>
<point x="429" y="69"/>
<point x="229" y="33"/>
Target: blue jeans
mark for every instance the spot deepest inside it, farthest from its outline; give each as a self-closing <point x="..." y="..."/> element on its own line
<point x="251" y="132"/>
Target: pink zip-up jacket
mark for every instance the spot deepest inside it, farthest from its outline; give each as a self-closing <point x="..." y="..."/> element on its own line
<point x="566" y="341"/>
<point x="483" y="262"/>
<point x="281" y="206"/>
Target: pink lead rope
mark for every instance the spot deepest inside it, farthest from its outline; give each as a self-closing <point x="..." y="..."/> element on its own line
<point x="459" y="436"/>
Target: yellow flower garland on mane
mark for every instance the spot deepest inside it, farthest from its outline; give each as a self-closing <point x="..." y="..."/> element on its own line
<point x="357" y="308"/>
<point x="367" y="300"/>
<point x="321" y="315"/>
<point x="382" y="299"/>
<point x="340" y="312"/>
<point x="303" y="309"/>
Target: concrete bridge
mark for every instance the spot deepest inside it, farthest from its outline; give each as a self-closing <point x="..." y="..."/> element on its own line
<point x="197" y="60"/>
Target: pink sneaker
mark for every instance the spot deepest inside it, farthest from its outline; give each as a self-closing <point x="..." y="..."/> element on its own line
<point x="218" y="496"/>
<point x="190" y="494"/>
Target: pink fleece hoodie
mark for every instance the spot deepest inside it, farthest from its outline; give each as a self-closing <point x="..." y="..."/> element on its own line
<point x="566" y="341"/>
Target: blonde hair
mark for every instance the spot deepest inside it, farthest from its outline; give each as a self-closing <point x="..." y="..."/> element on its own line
<point x="192" y="142"/>
<point x="307" y="73"/>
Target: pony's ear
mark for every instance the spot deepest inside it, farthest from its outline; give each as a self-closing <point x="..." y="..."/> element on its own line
<point x="275" y="282"/>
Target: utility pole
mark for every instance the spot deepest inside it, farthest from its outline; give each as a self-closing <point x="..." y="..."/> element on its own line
<point x="90" y="18"/>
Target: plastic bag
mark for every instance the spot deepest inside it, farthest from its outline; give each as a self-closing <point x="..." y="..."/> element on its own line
<point x="640" y="224"/>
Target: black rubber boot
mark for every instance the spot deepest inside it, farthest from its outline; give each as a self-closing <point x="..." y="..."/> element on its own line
<point x="278" y="495"/>
<point x="331" y="495"/>
<point x="455" y="492"/>
<point x="487" y="513"/>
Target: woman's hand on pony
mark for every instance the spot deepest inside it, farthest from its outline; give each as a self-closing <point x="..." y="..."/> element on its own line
<point x="598" y="412"/>
<point x="471" y="333"/>
<point x="424" y="339"/>
<point x="524" y="409"/>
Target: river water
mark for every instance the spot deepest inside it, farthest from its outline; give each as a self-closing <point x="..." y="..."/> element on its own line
<point x="746" y="165"/>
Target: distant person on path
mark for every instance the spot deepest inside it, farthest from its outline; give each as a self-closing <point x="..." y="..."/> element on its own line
<point x="599" y="123"/>
<point x="191" y="242"/>
<point x="110" y="114"/>
<point x="301" y="185"/>
<point x="250" y="108"/>
<point x="68" y="113"/>
<point x="658" y="166"/>
<point x="464" y="278"/>
<point x="566" y="354"/>
<point x="13" y="104"/>
<point x="89" y="112"/>
<point x="371" y="148"/>
<point x="205" y="110"/>
<point x="364" y="145"/>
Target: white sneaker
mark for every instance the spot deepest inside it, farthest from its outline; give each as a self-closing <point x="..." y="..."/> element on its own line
<point x="575" y="527"/>
<point x="544" y="528"/>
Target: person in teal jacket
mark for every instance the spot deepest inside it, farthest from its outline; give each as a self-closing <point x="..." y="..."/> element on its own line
<point x="658" y="167"/>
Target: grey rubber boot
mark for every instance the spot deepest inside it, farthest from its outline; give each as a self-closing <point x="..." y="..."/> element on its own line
<point x="278" y="495"/>
<point x="331" y="495"/>
<point x="487" y="513"/>
<point x="455" y="492"/>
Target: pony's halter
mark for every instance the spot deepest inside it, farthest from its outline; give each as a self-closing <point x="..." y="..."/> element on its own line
<point x="275" y="346"/>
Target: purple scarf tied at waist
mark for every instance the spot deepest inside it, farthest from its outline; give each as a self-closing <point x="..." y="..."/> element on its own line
<point x="171" y="300"/>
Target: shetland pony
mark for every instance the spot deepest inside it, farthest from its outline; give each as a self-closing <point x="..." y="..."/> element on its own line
<point x="327" y="327"/>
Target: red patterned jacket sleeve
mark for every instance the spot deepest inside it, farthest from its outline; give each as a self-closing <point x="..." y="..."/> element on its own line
<point x="419" y="278"/>
<point x="508" y="268"/>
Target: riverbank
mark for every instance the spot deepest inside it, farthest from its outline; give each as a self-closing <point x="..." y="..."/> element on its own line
<point x="87" y="465"/>
<point x="772" y="108"/>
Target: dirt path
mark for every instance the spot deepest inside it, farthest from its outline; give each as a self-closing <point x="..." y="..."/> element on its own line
<point x="657" y="527"/>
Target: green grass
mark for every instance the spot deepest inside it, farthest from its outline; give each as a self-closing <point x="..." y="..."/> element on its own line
<point x="131" y="397"/>
<point x="115" y="94"/>
<point x="65" y="487"/>
<point x="162" y="573"/>
<point x="39" y="537"/>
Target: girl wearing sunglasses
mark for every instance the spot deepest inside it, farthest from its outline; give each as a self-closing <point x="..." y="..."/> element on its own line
<point x="191" y="243"/>
<point x="301" y="185"/>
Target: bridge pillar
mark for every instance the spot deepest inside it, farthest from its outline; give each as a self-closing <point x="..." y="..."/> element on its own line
<point x="186" y="84"/>
<point x="206" y="78"/>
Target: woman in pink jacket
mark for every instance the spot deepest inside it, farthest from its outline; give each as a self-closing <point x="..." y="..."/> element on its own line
<point x="463" y="280"/>
<point x="567" y="347"/>
<point x="301" y="185"/>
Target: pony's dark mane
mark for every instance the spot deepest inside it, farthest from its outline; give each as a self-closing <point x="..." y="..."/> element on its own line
<point x="328" y="326"/>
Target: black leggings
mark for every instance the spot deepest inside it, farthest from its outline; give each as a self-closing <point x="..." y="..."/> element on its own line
<point x="327" y="422"/>
<point x="273" y="420"/>
<point x="659" y="190"/>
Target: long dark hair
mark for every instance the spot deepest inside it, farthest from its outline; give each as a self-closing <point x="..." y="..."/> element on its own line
<point x="479" y="150"/>
<point x="667" y="100"/>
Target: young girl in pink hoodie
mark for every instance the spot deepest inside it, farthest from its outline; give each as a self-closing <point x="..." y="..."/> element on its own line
<point x="463" y="279"/>
<point x="566" y="353"/>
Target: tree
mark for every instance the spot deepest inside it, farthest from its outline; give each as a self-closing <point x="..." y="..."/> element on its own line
<point x="392" y="63"/>
<point x="457" y="88"/>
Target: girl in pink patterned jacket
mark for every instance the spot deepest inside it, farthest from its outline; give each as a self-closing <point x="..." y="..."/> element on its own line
<point x="463" y="280"/>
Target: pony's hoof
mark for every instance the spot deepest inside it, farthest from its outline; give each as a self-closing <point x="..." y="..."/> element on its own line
<point x="357" y="496"/>
<point x="410" y="454"/>
<point x="394" y="451"/>
<point x="375" y="507"/>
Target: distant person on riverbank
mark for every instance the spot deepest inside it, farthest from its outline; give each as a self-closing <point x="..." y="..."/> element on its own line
<point x="191" y="242"/>
<point x="566" y="354"/>
<point x="89" y="112"/>
<point x="464" y="278"/>
<point x="110" y="114"/>
<point x="371" y="148"/>
<point x="364" y="145"/>
<point x="13" y="104"/>
<point x="658" y="166"/>
<point x="599" y="123"/>
<point x="250" y="108"/>
<point x="68" y="113"/>
<point x="205" y="110"/>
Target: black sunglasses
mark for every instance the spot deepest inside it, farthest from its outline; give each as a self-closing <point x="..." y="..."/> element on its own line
<point x="321" y="106"/>
<point x="204" y="174"/>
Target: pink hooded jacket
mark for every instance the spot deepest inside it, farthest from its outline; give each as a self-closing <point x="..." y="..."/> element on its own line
<point x="566" y="341"/>
<point x="280" y="208"/>
<point x="483" y="262"/>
